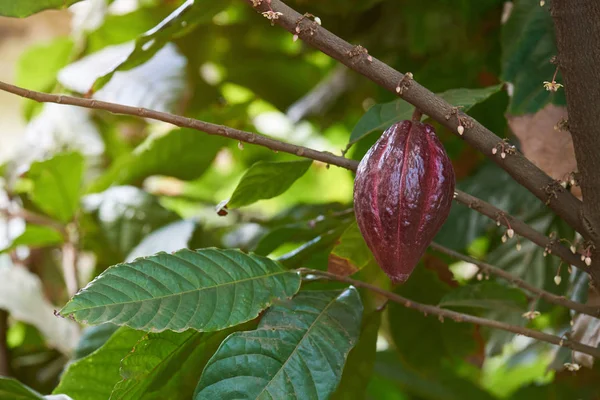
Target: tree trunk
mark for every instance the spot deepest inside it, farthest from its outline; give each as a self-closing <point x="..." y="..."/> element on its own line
<point x="577" y="24"/>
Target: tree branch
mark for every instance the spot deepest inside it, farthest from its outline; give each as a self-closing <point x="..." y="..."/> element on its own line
<point x="479" y="205"/>
<point x="522" y="229"/>
<point x="519" y="167"/>
<point x="456" y="316"/>
<point x="549" y="297"/>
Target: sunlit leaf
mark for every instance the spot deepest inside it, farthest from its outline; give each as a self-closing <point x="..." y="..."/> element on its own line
<point x="39" y="65"/>
<point x="24" y="8"/>
<point x="265" y="180"/>
<point x="207" y="290"/>
<point x="180" y="22"/>
<point x="22" y="295"/>
<point x="299" y="348"/>
<point x="351" y="253"/>
<point x="57" y="185"/>
<point x="36" y="236"/>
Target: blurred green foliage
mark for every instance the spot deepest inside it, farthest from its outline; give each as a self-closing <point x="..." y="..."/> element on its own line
<point x="237" y="70"/>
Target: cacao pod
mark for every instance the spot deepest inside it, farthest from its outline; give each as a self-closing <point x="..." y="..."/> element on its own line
<point x="403" y="192"/>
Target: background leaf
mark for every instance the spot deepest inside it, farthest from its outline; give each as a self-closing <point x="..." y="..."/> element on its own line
<point x="299" y="347"/>
<point x="382" y="116"/>
<point x="528" y="43"/>
<point x="24" y="8"/>
<point x="207" y="290"/>
<point x="182" y="153"/>
<point x="36" y="236"/>
<point x="265" y="180"/>
<point x="444" y="341"/>
<point x="57" y="185"/>
<point x="488" y="295"/>
<point x="13" y="389"/>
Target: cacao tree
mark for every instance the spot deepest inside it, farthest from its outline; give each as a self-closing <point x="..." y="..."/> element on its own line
<point x="247" y="199"/>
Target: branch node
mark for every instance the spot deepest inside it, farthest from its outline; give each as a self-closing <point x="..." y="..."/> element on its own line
<point x="404" y="83"/>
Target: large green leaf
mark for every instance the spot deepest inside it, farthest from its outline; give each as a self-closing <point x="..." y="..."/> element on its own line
<point x="36" y="236"/>
<point x="57" y="185"/>
<point x="12" y="389"/>
<point x="182" y="21"/>
<point x="182" y="153"/>
<point x="207" y="290"/>
<point x="487" y="295"/>
<point x="166" y="365"/>
<point x="447" y="340"/>
<point x="94" y="376"/>
<point x="382" y="116"/>
<point x="298" y="350"/>
<point x="528" y="43"/>
<point x="265" y="180"/>
<point x="24" y="8"/>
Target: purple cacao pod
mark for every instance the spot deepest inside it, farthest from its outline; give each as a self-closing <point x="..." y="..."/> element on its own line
<point x="403" y="192"/>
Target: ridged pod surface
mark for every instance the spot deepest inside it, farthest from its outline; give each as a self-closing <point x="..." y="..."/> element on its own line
<point x="403" y="192"/>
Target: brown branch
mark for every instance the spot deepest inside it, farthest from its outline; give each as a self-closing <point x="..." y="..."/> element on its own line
<point x="481" y="138"/>
<point x="522" y="229"/>
<point x="459" y="317"/>
<point x="549" y="297"/>
<point x="481" y="206"/>
<point x="577" y="37"/>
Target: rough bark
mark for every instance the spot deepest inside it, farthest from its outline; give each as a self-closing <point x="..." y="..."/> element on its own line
<point x="578" y="41"/>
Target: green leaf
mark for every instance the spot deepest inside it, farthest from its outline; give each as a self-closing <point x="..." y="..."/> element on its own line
<point x="488" y="295"/>
<point x="166" y="365"/>
<point x="265" y="180"/>
<point x="57" y="185"/>
<point x="36" y="236"/>
<point x="24" y="8"/>
<point x="298" y="350"/>
<point x="181" y="21"/>
<point x="93" y="377"/>
<point x="182" y="153"/>
<point x="207" y="290"/>
<point x="445" y="384"/>
<point x="449" y="340"/>
<point x="122" y="216"/>
<point x="351" y="253"/>
<point x="53" y="56"/>
<point x="495" y="186"/>
<point x="382" y="116"/>
<point x="12" y="389"/>
<point x="528" y="43"/>
<point x="359" y="366"/>
<point x="92" y="338"/>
